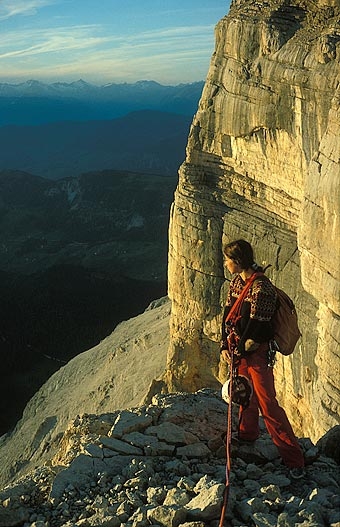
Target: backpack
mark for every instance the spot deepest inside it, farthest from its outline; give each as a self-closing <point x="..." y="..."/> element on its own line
<point x="285" y="323"/>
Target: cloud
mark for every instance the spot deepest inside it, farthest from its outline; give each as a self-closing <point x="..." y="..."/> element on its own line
<point x="19" y="44"/>
<point x="35" y="42"/>
<point x="11" y="8"/>
<point x="90" y="51"/>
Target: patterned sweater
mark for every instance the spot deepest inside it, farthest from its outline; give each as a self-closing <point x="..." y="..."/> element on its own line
<point x="256" y="312"/>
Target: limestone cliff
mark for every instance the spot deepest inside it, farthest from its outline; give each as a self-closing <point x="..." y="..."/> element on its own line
<point x="262" y="163"/>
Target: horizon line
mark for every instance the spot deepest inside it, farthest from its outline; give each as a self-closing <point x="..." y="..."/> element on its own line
<point x="80" y="80"/>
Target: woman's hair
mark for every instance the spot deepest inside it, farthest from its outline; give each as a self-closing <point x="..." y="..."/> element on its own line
<point x="241" y="252"/>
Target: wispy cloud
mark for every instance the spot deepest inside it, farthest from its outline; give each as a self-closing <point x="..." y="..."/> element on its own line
<point x="90" y="51"/>
<point x="19" y="43"/>
<point x="49" y="38"/>
<point x="29" y="43"/>
<point x="11" y="8"/>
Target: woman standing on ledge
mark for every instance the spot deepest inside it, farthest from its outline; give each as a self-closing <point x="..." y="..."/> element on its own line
<point x="252" y="333"/>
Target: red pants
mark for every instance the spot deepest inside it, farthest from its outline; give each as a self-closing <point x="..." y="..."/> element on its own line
<point x="255" y="368"/>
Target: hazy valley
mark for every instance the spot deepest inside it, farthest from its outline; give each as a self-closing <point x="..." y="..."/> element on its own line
<point x="84" y="213"/>
<point x="77" y="256"/>
<point x="143" y="141"/>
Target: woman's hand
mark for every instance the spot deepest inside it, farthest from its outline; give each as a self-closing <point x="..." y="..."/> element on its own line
<point x="226" y="354"/>
<point x="251" y="345"/>
<point x="224" y="351"/>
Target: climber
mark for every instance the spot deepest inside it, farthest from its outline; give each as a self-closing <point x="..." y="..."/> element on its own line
<point x="251" y="333"/>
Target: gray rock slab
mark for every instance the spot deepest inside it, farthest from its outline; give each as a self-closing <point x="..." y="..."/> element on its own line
<point x="160" y="448"/>
<point x="166" y="516"/>
<point x="94" y="451"/>
<point x="177" y="496"/>
<point x="207" y="504"/>
<point x="128" y="421"/>
<point x="120" y="446"/>
<point x="172" y="433"/>
<point x="195" y="450"/>
<point x="140" y="440"/>
<point x="264" y="520"/>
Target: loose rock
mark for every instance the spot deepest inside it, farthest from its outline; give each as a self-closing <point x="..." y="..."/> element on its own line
<point x="176" y="489"/>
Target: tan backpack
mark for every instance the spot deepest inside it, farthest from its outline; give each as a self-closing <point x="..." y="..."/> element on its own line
<point x="285" y="323"/>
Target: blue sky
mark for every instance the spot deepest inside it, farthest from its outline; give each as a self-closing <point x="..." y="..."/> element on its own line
<point x="103" y="41"/>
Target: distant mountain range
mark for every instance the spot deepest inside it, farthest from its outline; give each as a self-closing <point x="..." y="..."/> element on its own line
<point x="144" y="141"/>
<point x="34" y="102"/>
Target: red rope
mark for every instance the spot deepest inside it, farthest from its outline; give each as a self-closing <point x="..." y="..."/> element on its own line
<point x="228" y="442"/>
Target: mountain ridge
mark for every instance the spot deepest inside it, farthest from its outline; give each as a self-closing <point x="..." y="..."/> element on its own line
<point x="34" y="102"/>
<point x="81" y="87"/>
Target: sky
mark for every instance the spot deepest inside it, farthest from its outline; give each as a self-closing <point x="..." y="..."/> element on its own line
<point x="104" y="41"/>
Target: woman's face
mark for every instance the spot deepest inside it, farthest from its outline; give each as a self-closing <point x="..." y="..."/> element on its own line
<point x="232" y="266"/>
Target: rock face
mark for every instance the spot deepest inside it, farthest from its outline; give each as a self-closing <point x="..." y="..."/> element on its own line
<point x="262" y="163"/>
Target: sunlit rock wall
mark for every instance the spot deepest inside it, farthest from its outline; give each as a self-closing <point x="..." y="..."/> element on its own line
<point x="262" y="163"/>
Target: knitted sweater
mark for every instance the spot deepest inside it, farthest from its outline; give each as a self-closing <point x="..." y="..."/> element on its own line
<point x="256" y="312"/>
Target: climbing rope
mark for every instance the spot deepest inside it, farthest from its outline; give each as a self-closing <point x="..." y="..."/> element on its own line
<point x="228" y="439"/>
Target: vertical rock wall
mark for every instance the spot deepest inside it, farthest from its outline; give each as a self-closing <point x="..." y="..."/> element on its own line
<point x="262" y="163"/>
